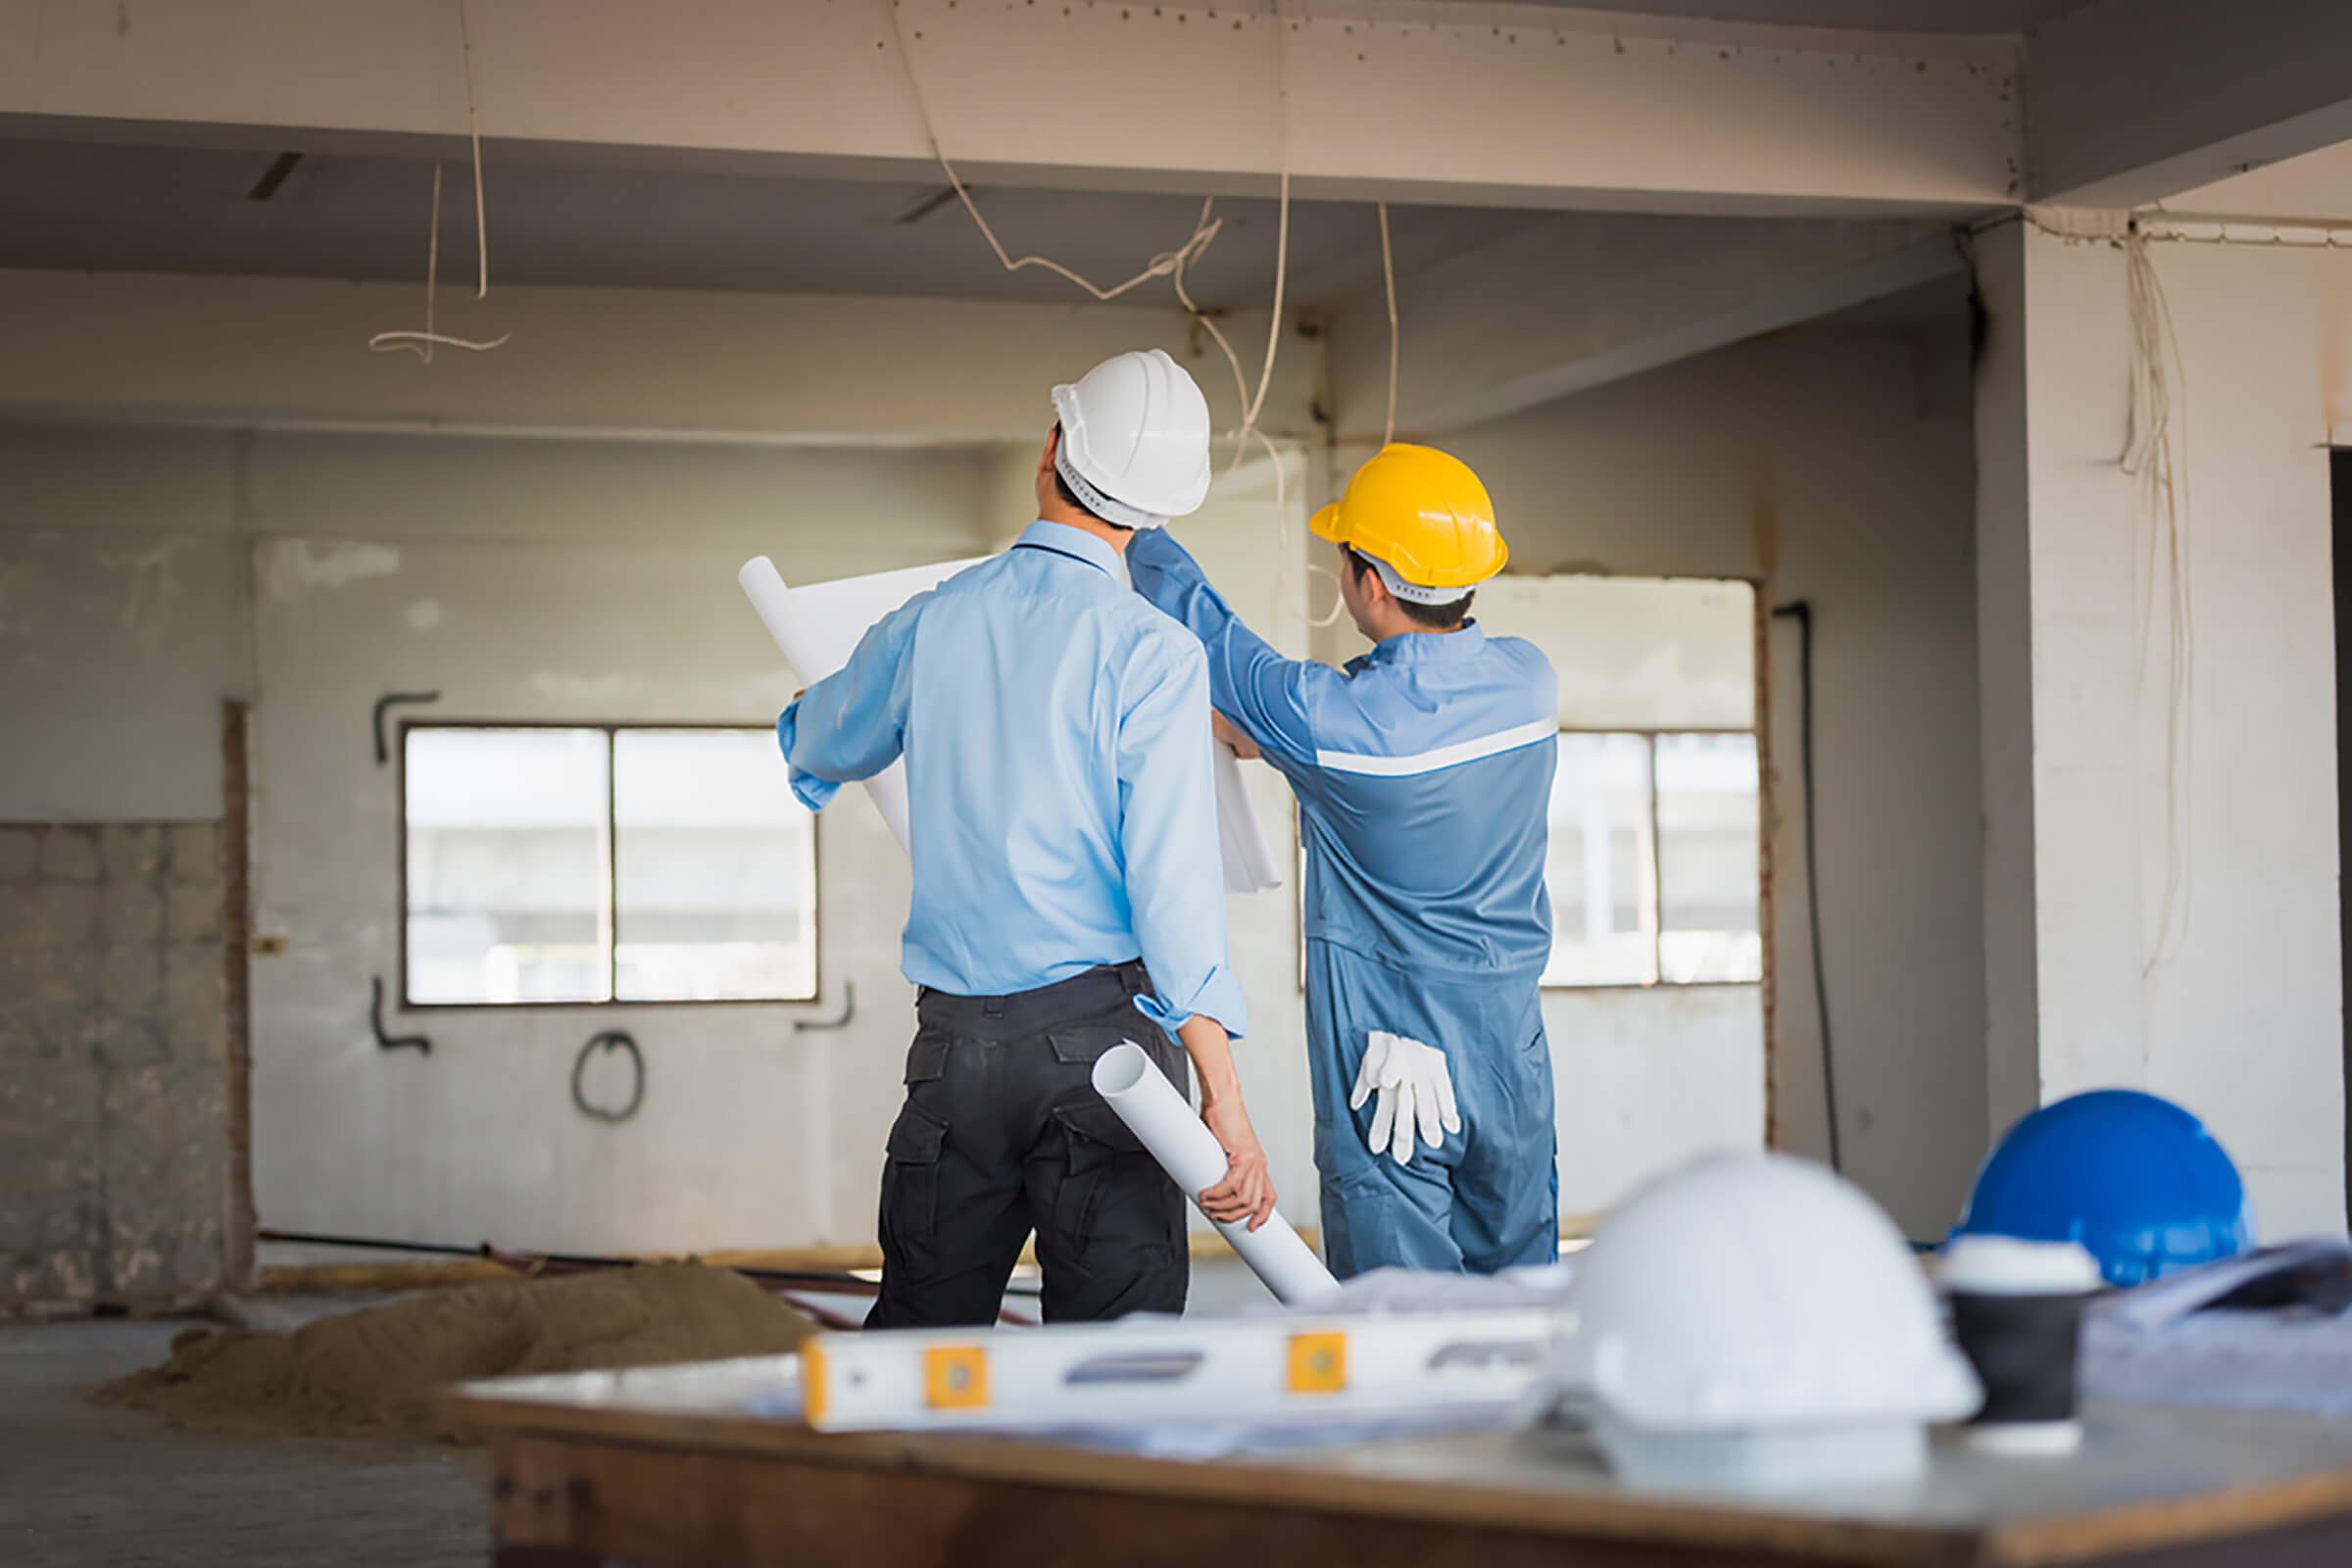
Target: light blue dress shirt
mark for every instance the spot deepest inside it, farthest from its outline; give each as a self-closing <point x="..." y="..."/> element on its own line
<point x="1062" y="813"/>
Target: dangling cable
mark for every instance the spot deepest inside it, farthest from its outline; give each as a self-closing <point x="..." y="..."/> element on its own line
<point x="422" y="343"/>
<point x="2148" y="457"/>
<point x="1172" y="265"/>
<point x="1166" y="264"/>
<point x="1282" y="265"/>
<point x="473" y="133"/>
<point x="1388" y="277"/>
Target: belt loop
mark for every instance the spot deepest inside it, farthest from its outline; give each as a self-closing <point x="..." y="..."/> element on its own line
<point x="991" y="1006"/>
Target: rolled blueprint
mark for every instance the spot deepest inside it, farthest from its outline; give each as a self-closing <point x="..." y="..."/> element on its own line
<point x="817" y="628"/>
<point x="1241" y="852"/>
<point x="1132" y="1086"/>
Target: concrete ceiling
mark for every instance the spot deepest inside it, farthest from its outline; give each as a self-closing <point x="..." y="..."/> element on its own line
<point x="2316" y="186"/>
<point x="192" y="209"/>
<point x="1878" y="16"/>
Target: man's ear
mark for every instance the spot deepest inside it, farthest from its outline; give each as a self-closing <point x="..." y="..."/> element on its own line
<point x="1045" y="456"/>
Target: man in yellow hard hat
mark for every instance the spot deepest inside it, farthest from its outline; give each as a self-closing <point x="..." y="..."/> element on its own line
<point x="1424" y="780"/>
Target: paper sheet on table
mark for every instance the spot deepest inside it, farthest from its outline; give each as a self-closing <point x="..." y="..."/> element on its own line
<point x="817" y="628"/>
<point x="2168" y="1344"/>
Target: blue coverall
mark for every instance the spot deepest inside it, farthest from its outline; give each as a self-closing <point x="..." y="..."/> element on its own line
<point x="1424" y="781"/>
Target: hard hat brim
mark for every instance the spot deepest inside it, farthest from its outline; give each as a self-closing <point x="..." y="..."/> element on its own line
<point x="1326" y="525"/>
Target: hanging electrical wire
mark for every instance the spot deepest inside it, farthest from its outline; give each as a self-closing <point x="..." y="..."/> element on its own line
<point x="1387" y="278"/>
<point x="1167" y="263"/>
<point x="2149" y="458"/>
<point x="2157" y="462"/>
<point x="421" y="343"/>
<point x="1388" y="433"/>
<point x="1175" y="265"/>
<point x="1172" y="263"/>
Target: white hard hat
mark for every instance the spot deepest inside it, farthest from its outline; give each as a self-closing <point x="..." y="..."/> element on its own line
<point x="1755" y="1320"/>
<point x="1134" y="439"/>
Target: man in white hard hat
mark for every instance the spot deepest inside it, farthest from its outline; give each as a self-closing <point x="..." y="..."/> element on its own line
<point x="1067" y="891"/>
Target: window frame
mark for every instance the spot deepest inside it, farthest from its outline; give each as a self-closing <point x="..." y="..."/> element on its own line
<point x="610" y="729"/>
<point x="1650" y="734"/>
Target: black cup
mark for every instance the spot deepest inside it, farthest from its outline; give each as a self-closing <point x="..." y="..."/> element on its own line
<point x="2016" y="1311"/>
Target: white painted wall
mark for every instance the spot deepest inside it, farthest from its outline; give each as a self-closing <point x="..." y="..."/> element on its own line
<point x="539" y="581"/>
<point x="1833" y="466"/>
<point x="2239" y="1015"/>
<point x="1636" y="653"/>
<point x="121" y="625"/>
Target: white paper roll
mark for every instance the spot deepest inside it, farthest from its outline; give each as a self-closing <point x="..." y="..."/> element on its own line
<point x="763" y="586"/>
<point x="1134" y="1087"/>
<point x="1249" y="865"/>
<point x="818" y="629"/>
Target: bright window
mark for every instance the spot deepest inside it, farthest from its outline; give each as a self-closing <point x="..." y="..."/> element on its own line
<point x="599" y="864"/>
<point x="1655" y="867"/>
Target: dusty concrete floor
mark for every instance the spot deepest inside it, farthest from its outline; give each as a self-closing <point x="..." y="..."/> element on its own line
<point x="84" y="1486"/>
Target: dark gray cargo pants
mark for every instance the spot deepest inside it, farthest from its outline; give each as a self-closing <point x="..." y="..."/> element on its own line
<point x="1002" y="1133"/>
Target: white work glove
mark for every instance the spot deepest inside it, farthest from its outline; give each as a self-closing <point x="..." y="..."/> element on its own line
<point x="1416" y="1090"/>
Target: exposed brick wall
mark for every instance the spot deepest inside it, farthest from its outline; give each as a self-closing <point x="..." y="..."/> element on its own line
<point x="115" y="1125"/>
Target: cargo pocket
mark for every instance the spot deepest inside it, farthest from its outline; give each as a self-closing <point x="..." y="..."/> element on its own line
<point x="927" y="1057"/>
<point x="910" y="1191"/>
<point x="1104" y="1159"/>
<point x="1082" y="1044"/>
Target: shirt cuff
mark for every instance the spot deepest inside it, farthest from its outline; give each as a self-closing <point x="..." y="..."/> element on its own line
<point x="813" y="792"/>
<point x="1219" y="997"/>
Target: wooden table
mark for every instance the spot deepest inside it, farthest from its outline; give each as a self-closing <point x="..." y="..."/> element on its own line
<point x="665" y="1467"/>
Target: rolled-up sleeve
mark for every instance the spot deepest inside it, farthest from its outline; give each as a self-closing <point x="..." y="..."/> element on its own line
<point x="852" y="723"/>
<point x="1168" y="841"/>
<point x="1249" y="681"/>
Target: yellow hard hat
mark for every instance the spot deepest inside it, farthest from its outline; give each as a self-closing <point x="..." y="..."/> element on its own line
<point x="1423" y="513"/>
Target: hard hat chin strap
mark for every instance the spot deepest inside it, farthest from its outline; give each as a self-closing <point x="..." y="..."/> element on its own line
<point x="1095" y="500"/>
<point x="1413" y="590"/>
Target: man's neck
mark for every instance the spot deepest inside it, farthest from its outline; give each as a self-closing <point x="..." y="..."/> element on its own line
<point x="1403" y="624"/>
<point x="1088" y="523"/>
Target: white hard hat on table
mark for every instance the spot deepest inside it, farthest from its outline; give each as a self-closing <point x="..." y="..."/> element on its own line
<point x="1134" y="439"/>
<point x="1755" y="1320"/>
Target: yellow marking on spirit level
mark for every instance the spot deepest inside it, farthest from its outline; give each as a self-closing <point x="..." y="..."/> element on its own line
<point x="955" y="1377"/>
<point x="812" y="1384"/>
<point x="1318" y="1362"/>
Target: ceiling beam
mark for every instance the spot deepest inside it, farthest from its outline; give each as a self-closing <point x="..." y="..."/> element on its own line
<point x="2132" y="101"/>
<point x="619" y="364"/>
<point x="1576" y="302"/>
<point x="1488" y="104"/>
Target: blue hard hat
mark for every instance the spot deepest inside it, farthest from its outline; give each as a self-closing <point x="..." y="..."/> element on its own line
<point x="2131" y="1176"/>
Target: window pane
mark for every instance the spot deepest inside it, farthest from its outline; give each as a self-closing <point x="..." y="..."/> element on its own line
<point x="718" y="869"/>
<point x="1709" y="859"/>
<point x="506" y="865"/>
<point x="1601" y="866"/>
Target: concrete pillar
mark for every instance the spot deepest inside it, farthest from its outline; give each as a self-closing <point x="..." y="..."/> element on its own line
<point x="2059" y="594"/>
<point x="2160" y="875"/>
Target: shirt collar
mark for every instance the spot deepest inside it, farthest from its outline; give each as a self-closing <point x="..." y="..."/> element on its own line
<point x="1076" y="543"/>
<point x="1429" y="647"/>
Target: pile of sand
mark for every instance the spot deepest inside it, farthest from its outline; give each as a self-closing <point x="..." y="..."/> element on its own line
<point x="375" y="1372"/>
